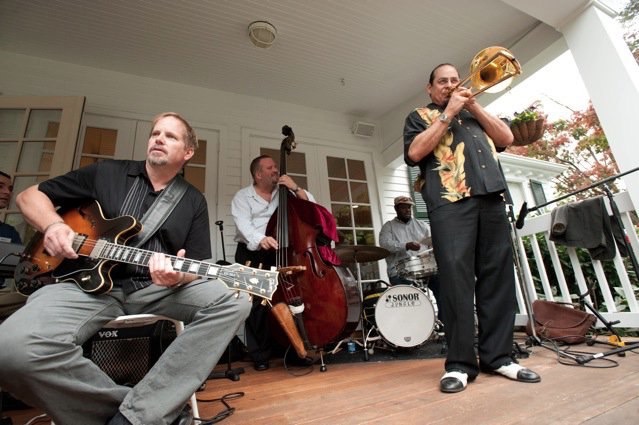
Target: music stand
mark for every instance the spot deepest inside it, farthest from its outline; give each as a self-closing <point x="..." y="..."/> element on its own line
<point x="230" y="373"/>
<point x="357" y="254"/>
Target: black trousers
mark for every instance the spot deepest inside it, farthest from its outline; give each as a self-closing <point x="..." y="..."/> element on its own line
<point x="473" y="250"/>
<point x="258" y="335"/>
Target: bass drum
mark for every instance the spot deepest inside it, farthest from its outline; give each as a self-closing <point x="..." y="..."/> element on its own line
<point x="403" y="315"/>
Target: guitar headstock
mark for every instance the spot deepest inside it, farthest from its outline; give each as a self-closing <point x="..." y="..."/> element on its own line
<point x="261" y="283"/>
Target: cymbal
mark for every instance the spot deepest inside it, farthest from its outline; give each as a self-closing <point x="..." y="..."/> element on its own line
<point x="360" y="253"/>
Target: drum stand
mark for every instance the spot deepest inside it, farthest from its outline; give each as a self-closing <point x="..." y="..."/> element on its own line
<point x="358" y="254"/>
<point x="361" y="316"/>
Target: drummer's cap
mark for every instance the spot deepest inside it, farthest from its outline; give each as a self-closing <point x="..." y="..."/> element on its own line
<point x="404" y="200"/>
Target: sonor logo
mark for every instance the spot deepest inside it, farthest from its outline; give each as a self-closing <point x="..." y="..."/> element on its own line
<point x="403" y="297"/>
<point x="402" y="300"/>
<point x="108" y="334"/>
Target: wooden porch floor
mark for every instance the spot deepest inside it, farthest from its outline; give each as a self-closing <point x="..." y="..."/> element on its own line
<point x="406" y="391"/>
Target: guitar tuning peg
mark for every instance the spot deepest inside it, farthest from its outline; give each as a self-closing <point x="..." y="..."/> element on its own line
<point x="263" y="303"/>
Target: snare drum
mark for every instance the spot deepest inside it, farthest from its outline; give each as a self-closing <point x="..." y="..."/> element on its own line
<point x="418" y="267"/>
<point x="403" y="315"/>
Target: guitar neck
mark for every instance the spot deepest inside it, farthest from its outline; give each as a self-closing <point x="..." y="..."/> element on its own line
<point x="105" y="250"/>
<point x="243" y="278"/>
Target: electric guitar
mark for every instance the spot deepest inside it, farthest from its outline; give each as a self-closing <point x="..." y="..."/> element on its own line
<point x="100" y="244"/>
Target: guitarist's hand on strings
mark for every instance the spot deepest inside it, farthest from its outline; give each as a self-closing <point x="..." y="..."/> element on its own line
<point x="58" y="240"/>
<point x="163" y="273"/>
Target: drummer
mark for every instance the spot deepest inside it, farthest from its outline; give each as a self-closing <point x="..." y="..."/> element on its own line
<point x="405" y="237"/>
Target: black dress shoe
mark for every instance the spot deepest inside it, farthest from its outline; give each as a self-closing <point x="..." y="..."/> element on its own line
<point x="453" y="382"/>
<point x="517" y="372"/>
<point x="261" y="365"/>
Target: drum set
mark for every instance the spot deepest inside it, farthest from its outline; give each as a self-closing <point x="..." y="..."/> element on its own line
<point x="399" y="316"/>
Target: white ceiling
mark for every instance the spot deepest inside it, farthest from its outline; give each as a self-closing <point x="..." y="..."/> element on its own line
<point x="360" y="57"/>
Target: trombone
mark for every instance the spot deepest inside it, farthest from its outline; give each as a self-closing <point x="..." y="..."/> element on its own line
<point x="491" y="70"/>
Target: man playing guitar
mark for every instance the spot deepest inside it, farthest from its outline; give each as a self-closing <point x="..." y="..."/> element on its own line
<point x="41" y="359"/>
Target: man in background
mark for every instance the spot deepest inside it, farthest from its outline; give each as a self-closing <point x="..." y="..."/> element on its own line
<point x="8" y="233"/>
<point x="406" y="237"/>
<point x="10" y="300"/>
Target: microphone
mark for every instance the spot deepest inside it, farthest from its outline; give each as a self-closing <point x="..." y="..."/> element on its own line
<point x="522" y="215"/>
<point x="219" y="223"/>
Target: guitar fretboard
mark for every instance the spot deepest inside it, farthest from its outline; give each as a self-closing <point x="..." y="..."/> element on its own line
<point x="259" y="282"/>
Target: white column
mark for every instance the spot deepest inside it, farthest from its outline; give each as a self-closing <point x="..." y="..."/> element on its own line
<point x="611" y="76"/>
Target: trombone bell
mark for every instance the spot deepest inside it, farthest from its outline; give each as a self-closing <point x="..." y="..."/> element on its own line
<point x="492" y="70"/>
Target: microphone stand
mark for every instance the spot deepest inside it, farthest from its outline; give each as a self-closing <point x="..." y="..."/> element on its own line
<point x="230" y="373"/>
<point x="521" y="277"/>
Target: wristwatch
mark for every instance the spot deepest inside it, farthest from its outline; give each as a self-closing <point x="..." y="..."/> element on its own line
<point x="444" y="118"/>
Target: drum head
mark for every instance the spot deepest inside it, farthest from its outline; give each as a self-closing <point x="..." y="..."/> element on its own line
<point x="404" y="316"/>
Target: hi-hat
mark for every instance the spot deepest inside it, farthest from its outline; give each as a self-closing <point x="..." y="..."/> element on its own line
<point x="360" y="253"/>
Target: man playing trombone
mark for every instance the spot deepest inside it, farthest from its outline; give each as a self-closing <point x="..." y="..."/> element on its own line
<point x="454" y="141"/>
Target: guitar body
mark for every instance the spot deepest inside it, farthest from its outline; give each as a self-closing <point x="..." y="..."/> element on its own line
<point x="38" y="268"/>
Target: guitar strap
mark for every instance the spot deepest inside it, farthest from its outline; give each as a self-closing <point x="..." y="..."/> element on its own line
<point x="160" y="210"/>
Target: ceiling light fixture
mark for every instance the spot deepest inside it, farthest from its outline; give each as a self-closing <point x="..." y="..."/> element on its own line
<point x="262" y="34"/>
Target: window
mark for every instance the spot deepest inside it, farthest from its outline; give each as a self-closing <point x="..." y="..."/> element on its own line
<point x="351" y="206"/>
<point x="537" y="189"/>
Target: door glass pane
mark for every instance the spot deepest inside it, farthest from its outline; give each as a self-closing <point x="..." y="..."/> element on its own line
<point x="359" y="191"/>
<point x="8" y="154"/>
<point x="339" y="190"/>
<point x="36" y="157"/>
<point x="336" y="167"/>
<point x="362" y="215"/>
<point x="40" y="121"/>
<point x="11" y="123"/>
<point x="200" y="153"/>
<point x="342" y="214"/>
<point x="99" y="141"/>
<point x="196" y="176"/>
<point x="195" y="169"/>
<point x="356" y="170"/>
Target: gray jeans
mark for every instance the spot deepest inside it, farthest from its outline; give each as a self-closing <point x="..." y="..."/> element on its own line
<point x="41" y="359"/>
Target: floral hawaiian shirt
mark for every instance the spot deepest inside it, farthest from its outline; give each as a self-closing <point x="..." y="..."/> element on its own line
<point x="463" y="164"/>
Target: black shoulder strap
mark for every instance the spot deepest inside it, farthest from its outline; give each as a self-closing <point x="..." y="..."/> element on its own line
<point x="160" y="210"/>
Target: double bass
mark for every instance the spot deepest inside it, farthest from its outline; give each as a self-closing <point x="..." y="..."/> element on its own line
<point x="323" y="295"/>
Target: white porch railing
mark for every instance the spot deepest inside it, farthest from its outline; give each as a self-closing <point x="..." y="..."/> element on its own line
<point x="627" y="312"/>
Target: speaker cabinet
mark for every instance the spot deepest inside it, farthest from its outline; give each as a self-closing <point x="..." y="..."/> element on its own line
<point x="126" y="353"/>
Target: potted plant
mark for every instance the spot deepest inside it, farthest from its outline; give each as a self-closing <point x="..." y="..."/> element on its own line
<point x="528" y="126"/>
